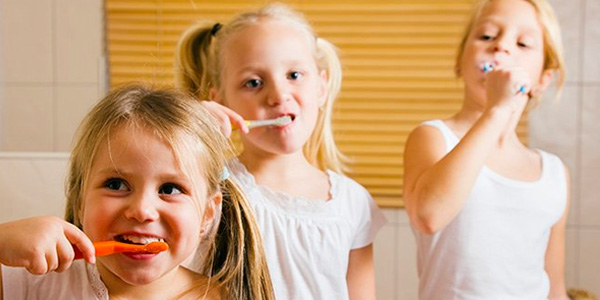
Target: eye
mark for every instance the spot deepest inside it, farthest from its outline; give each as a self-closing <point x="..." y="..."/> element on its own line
<point x="115" y="184"/>
<point x="253" y="83"/>
<point x="486" y="37"/>
<point x="294" y="75"/>
<point x="523" y="45"/>
<point x="169" y="189"/>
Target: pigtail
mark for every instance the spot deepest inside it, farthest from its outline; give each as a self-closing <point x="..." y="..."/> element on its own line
<point x="321" y="149"/>
<point x="237" y="259"/>
<point x="192" y="58"/>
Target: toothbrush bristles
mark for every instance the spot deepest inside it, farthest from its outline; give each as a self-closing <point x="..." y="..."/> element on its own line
<point x="282" y="121"/>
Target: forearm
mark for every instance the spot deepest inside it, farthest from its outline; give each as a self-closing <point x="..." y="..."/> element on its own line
<point x="439" y="193"/>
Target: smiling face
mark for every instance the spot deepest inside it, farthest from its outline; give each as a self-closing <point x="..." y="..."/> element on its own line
<point x="137" y="193"/>
<point x="269" y="71"/>
<point x="506" y="34"/>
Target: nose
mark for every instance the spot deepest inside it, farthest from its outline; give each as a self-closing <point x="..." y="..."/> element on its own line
<point x="278" y="92"/>
<point x="502" y="44"/>
<point x="142" y="207"/>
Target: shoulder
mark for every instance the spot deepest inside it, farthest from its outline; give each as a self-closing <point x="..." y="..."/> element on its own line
<point x="554" y="163"/>
<point x="347" y="185"/>
<point x="353" y="195"/>
<point x="428" y="136"/>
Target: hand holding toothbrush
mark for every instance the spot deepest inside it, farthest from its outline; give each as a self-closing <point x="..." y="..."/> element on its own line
<point x="42" y="244"/>
<point x="228" y="118"/>
<point x="231" y="120"/>
<point x="506" y="87"/>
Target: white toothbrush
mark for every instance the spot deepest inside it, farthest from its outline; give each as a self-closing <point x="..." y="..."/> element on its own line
<point x="281" y="121"/>
<point x="488" y="67"/>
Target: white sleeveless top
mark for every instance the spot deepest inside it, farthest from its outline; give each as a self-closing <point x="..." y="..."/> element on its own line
<point x="494" y="249"/>
<point x="308" y="242"/>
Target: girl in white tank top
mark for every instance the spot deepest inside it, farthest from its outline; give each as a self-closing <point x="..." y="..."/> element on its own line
<point x="488" y="213"/>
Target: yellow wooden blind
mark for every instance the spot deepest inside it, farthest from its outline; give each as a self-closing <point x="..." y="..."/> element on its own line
<point x="397" y="56"/>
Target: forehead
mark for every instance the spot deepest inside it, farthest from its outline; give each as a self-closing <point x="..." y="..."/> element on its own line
<point x="269" y="39"/>
<point x="519" y="13"/>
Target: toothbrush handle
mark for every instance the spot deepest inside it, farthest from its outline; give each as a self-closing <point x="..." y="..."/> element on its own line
<point x="102" y="249"/>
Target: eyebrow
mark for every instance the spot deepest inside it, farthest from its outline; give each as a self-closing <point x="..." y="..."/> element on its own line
<point x="496" y="21"/>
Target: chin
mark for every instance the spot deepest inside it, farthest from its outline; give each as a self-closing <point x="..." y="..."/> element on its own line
<point x="139" y="278"/>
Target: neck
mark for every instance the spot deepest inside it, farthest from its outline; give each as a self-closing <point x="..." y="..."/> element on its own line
<point x="168" y="286"/>
<point x="283" y="166"/>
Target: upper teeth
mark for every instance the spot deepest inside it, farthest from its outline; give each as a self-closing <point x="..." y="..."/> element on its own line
<point x="141" y="239"/>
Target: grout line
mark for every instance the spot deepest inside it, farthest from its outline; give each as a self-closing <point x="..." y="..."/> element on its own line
<point x="578" y="146"/>
<point x="54" y="50"/>
<point x="33" y="155"/>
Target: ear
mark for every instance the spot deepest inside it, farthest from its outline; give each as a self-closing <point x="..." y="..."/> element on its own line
<point x="213" y="207"/>
<point x="323" y="87"/>
<point x="545" y="80"/>
<point x="214" y="95"/>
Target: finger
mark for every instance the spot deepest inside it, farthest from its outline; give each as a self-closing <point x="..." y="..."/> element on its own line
<point x="37" y="265"/>
<point x="81" y="241"/>
<point x="51" y="261"/>
<point x="65" y="253"/>
<point x="234" y="117"/>
<point x="226" y="117"/>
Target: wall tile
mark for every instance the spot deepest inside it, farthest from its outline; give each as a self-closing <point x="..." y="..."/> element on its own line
<point x="385" y="256"/>
<point x="407" y="282"/>
<point x="571" y="257"/>
<point x="569" y="14"/>
<point x="589" y="250"/>
<point x="391" y="214"/>
<point x="72" y="104"/>
<point x="28" y="126"/>
<point x="26" y="26"/>
<point x="590" y="157"/>
<point x="79" y="33"/>
<point x="32" y="187"/>
<point x="554" y="127"/>
<point x="591" y="71"/>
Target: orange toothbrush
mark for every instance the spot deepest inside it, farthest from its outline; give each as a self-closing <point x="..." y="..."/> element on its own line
<point x="111" y="247"/>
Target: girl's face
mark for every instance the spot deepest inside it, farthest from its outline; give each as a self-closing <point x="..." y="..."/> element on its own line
<point x="269" y="71"/>
<point x="507" y="34"/>
<point x="136" y="193"/>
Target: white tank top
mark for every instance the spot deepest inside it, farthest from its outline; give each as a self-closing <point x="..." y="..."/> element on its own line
<point x="495" y="247"/>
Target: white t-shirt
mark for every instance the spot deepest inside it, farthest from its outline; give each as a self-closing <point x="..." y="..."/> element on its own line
<point x="80" y="282"/>
<point x="308" y="242"/>
<point x="494" y="249"/>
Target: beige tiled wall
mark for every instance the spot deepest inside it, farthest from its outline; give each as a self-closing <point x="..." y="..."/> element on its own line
<point x="51" y="70"/>
<point x="571" y="129"/>
<point x="50" y="76"/>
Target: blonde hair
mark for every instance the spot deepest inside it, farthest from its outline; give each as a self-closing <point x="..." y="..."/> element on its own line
<point x="553" y="48"/>
<point x="235" y="258"/>
<point x="199" y="61"/>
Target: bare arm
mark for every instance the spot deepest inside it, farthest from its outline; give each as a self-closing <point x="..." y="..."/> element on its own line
<point x="555" y="254"/>
<point x="361" y="274"/>
<point x="436" y="185"/>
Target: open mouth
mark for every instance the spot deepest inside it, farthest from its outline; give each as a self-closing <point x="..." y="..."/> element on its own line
<point x="137" y="240"/>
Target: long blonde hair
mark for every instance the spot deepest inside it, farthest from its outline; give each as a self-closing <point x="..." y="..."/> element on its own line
<point x="553" y="48"/>
<point x="198" y="66"/>
<point x="236" y="259"/>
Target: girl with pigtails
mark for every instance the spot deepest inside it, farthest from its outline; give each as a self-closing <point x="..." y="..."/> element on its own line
<point x="317" y="225"/>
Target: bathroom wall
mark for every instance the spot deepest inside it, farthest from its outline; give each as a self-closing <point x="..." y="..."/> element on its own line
<point x="52" y="70"/>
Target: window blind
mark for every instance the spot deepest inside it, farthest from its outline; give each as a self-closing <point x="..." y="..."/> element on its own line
<point x="397" y="57"/>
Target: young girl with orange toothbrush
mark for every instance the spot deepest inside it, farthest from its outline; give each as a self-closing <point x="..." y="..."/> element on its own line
<point x="489" y="213"/>
<point x="148" y="166"/>
<point x="317" y="225"/>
